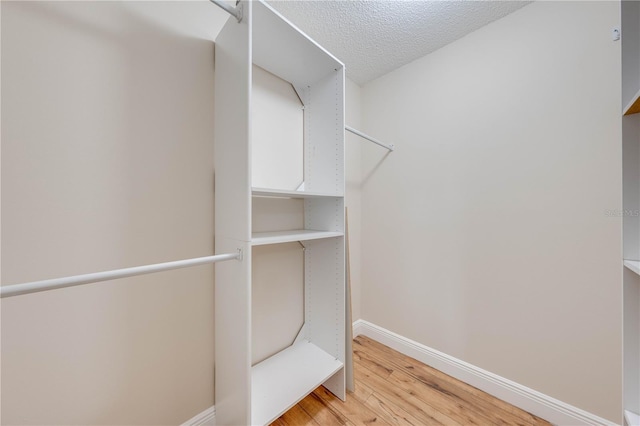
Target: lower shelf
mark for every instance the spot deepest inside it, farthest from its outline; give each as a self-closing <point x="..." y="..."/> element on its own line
<point x="280" y="382"/>
<point x="634" y="265"/>
<point x="631" y="418"/>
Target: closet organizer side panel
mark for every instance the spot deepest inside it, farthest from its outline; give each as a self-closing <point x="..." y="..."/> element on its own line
<point x="277" y="163"/>
<point x="325" y="302"/>
<point x="631" y="341"/>
<point x="276" y="133"/>
<point x="630" y="17"/>
<point x="232" y="129"/>
<point x="324" y="134"/>
<point x="631" y="186"/>
<point x="232" y="221"/>
<point x="325" y="259"/>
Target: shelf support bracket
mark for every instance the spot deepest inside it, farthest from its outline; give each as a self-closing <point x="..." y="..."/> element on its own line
<point x="235" y="11"/>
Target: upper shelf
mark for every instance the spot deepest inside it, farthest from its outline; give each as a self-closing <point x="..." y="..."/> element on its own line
<point x="285" y="193"/>
<point x="634" y="105"/>
<point x="282" y="49"/>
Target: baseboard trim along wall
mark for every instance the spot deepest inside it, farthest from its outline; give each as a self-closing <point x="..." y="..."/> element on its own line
<point x="544" y="406"/>
<point x="205" y="418"/>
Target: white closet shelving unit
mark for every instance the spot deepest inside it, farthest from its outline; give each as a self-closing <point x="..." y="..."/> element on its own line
<point x="258" y="394"/>
<point x="631" y="205"/>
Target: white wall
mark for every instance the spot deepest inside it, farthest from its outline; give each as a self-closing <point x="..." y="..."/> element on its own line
<point x="484" y="234"/>
<point x="107" y="162"/>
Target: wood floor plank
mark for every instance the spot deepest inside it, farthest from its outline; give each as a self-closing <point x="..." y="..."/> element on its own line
<point x="390" y="412"/>
<point x="505" y="412"/>
<point x="316" y="408"/>
<point x="419" y="409"/>
<point x="450" y="405"/>
<point x="540" y="422"/>
<point x="373" y="364"/>
<point x="477" y="405"/>
<point x="352" y="409"/>
<point x="362" y="392"/>
<point x="296" y="416"/>
<point x="457" y="399"/>
<point x="394" y="389"/>
<point x="412" y="363"/>
<point x="279" y="422"/>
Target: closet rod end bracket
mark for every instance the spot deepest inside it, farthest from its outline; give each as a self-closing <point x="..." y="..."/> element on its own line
<point x="235" y="11"/>
<point x="239" y="9"/>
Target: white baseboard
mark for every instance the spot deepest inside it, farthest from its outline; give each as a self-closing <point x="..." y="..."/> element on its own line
<point x="544" y="406"/>
<point x="205" y="418"/>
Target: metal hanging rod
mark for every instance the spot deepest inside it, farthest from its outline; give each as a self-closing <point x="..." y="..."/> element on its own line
<point x="390" y="147"/>
<point x="235" y="11"/>
<point x="56" y="283"/>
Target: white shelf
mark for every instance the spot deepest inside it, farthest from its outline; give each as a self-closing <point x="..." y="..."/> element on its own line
<point x="280" y="382"/>
<point x="631" y="418"/>
<point x="282" y="49"/>
<point x="278" y="237"/>
<point x="634" y="265"/>
<point x="284" y="193"/>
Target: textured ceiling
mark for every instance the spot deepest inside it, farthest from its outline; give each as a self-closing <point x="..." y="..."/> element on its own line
<point x="374" y="37"/>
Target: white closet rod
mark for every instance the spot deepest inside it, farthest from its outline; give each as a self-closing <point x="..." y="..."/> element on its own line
<point x="235" y="11"/>
<point x="369" y="138"/>
<point x="37" y="286"/>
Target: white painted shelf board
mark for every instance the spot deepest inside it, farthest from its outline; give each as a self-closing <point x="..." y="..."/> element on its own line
<point x="280" y="382"/>
<point x="634" y="265"/>
<point x="285" y="193"/>
<point x="631" y="418"/>
<point x="277" y="237"/>
<point x="284" y="50"/>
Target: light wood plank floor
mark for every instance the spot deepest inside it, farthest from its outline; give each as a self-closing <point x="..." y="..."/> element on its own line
<point x="393" y="389"/>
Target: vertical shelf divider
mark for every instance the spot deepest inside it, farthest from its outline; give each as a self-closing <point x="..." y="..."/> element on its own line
<point x="630" y="27"/>
<point x="258" y="394"/>
<point x="232" y="220"/>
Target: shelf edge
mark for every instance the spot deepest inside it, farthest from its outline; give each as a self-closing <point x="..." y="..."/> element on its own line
<point x="284" y="193"/>
<point x="633" y="265"/>
<point x="260" y="238"/>
<point x="634" y="106"/>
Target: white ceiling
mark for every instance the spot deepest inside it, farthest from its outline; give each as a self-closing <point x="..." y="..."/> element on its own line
<point x="374" y="37"/>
